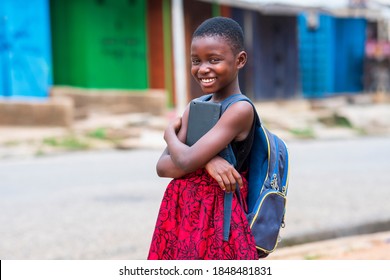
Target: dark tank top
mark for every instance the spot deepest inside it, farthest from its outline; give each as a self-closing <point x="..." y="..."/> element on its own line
<point x="242" y="149"/>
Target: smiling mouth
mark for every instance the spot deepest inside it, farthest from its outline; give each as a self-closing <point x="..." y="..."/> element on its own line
<point x="207" y="80"/>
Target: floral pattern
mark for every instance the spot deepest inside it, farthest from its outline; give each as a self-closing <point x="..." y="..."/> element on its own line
<point x="190" y="223"/>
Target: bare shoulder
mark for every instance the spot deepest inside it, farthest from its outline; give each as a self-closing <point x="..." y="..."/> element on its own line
<point x="242" y="108"/>
<point x="239" y="119"/>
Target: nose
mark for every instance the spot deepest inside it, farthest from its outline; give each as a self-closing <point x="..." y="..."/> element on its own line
<point x="204" y="68"/>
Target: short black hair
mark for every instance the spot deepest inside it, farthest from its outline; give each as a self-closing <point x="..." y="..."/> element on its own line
<point x="224" y="27"/>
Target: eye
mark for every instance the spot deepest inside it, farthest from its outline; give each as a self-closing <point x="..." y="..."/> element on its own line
<point x="214" y="60"/>
<point x="195" y="61"/>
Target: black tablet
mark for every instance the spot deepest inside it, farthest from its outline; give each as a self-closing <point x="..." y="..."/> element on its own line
<point x="202" y="117"/>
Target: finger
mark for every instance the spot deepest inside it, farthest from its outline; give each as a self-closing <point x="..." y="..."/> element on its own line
<point x="220" y="182"/>
<point x="228" y="184"/>
<point x="238" y="178"/>
<point x="233" y="182"/>
<point x="177" y="124"/>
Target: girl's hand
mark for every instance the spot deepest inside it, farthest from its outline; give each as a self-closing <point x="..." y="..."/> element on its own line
<point x="173" y="128"/>
<point x="176" y="124"/>
<point x="224" y="173"/>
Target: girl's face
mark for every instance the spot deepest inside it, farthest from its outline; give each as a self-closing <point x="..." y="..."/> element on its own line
<point x="214" y="65"/>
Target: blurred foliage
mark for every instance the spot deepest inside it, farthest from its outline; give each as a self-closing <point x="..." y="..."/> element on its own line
<point x="336" y="120"/>
<point x="68" y="142"/>
<point x="305" y="133"/>
<point x="98" y="133"/>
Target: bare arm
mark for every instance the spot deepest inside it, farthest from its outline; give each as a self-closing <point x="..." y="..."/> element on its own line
<point x="224" y="173"/>
<point x="165" y="166"/>
<point x="218" y="168"/>
<point x="234" y="124"/>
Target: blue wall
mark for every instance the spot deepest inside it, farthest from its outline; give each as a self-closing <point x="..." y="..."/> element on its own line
<point x="349" y="54"/>
<point x="25" y="48"/>
<point x="331" y="56"/>
<point x="316" y="54"/>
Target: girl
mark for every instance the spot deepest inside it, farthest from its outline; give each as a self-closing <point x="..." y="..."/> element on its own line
<point x="190" y="221"/>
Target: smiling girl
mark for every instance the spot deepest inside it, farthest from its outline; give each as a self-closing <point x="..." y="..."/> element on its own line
<point x="190" y="221"/>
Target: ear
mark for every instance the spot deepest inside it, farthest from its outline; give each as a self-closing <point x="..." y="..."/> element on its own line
<point x="241" y="59"/>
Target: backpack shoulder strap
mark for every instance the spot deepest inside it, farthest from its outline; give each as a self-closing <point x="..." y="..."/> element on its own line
<point x="229" y="154"/>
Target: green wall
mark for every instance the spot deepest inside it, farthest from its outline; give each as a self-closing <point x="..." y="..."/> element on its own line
<point x="100" y="43"/>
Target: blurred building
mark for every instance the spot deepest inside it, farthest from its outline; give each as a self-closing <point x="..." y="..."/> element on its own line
<point x="25" y="48"/>
<point x="297" y="49"/>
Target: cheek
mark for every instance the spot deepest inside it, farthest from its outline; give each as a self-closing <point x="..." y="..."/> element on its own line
<point x="223" y="70"/>
<point x="194" y="71"/>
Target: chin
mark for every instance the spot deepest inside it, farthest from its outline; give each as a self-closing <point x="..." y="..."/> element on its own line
<point x="208" y="90"/>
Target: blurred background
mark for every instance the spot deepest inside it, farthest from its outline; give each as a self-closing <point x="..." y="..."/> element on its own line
<point x="102" y="78"/>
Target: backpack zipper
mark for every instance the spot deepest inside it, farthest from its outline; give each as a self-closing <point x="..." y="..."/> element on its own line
<point x="285" y="172"/>
<point x="274" y="180"/>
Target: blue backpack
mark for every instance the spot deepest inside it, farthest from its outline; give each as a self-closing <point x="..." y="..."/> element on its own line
<point x="267" y="183"/>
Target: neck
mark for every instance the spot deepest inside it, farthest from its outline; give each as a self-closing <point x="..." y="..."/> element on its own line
<point x="219" y="96"/>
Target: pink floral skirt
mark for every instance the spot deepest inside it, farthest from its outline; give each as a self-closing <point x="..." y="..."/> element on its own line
<point x="190" y="223"/>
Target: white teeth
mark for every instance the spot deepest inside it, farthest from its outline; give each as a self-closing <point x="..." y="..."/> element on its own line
<point x="208" y="80"/>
